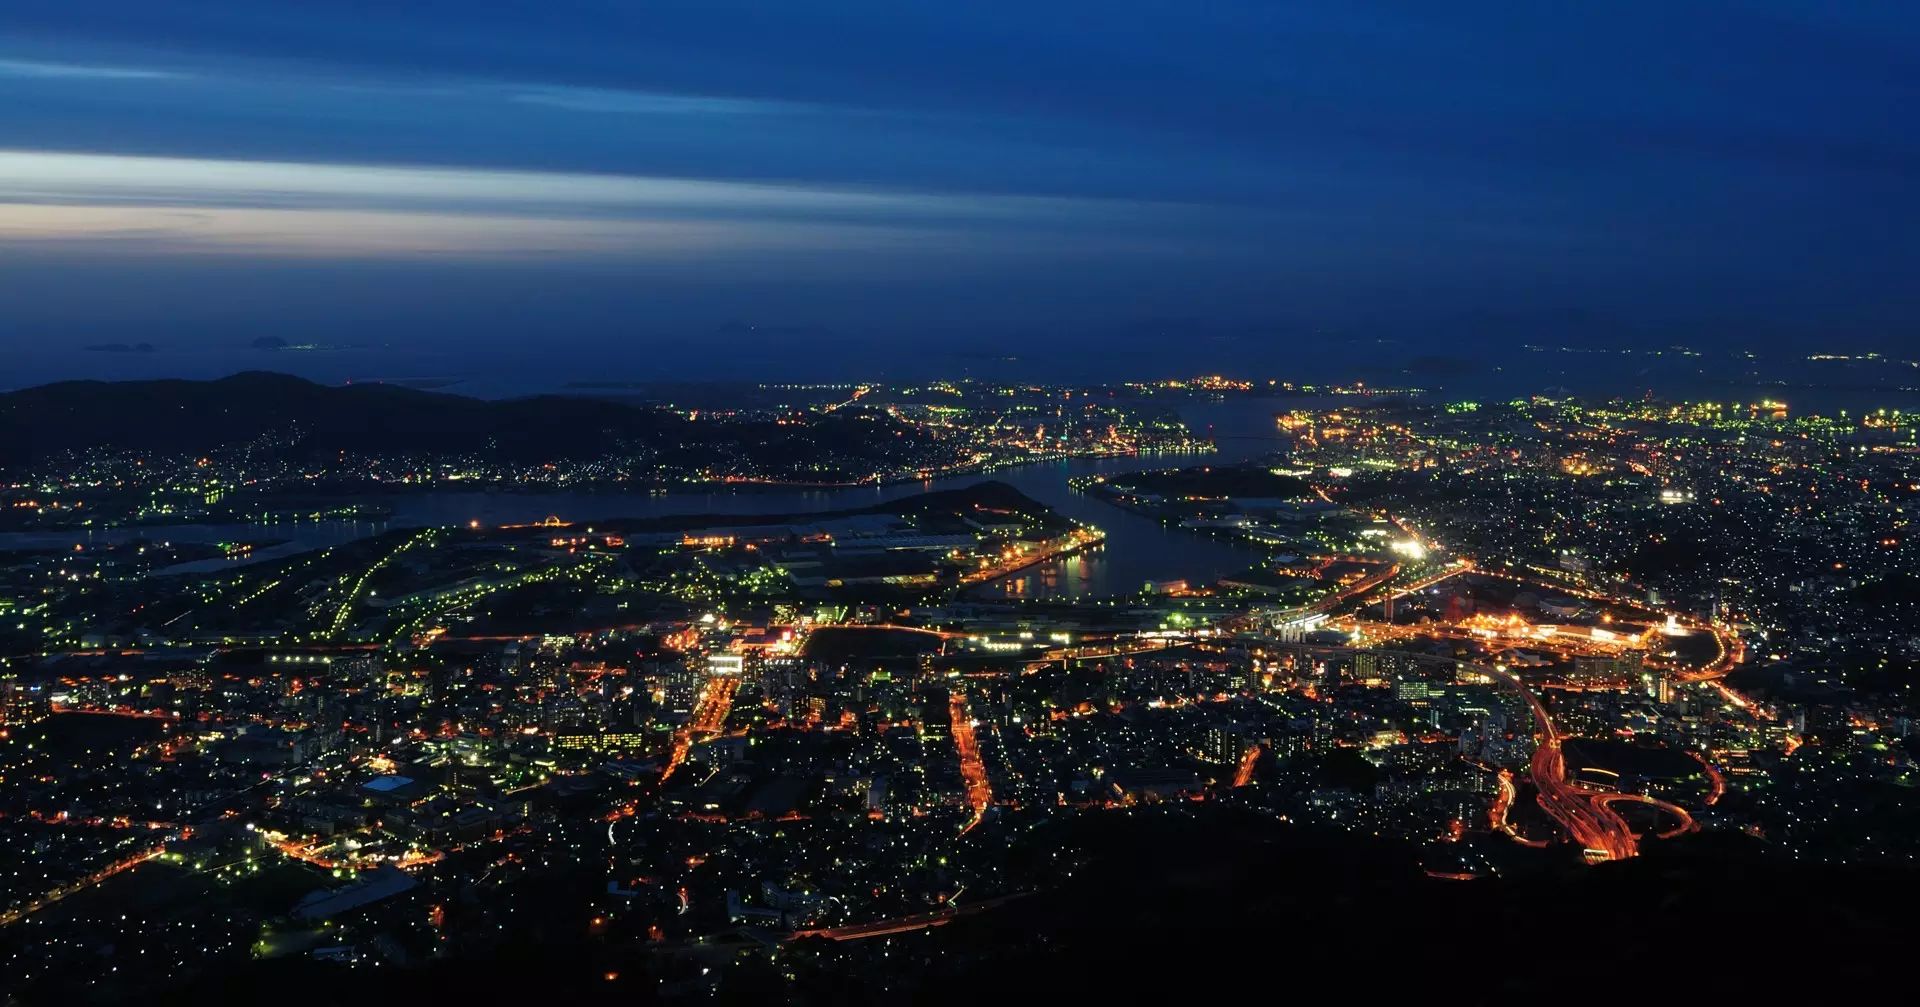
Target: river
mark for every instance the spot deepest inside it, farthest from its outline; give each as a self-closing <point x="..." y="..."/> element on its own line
<point x="1137" y="549"/>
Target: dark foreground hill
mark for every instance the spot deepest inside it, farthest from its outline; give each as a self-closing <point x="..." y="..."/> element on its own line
<point x="1212" y="905"/>
<point x="1174" y="906"/>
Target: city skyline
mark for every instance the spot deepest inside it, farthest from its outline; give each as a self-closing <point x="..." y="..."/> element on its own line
<point x="875" y="502"/>
<point x="845" y="692"/>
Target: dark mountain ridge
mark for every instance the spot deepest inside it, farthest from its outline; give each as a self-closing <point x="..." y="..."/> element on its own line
<point x="175" y="417"/>
<point x="279" y="418"/>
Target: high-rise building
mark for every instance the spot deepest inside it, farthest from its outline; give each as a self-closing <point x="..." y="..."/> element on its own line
<point x="21" y="703"/>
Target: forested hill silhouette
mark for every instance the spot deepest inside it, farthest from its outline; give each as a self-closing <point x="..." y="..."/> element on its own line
<point x="293" y="417"/>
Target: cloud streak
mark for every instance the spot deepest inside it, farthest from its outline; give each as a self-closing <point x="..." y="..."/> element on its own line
<point x="623" y="102"/>
<point x="37" y="70"/>
<point x="47" y="176"/>
<point x="151" y="204"/>
<point x="147" y="230"/>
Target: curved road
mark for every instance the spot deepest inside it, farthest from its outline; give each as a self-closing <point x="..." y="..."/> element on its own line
<point x="1586" y="815"/>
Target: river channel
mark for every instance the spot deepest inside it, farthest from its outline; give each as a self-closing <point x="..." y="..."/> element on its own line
<point x="1137" y="549"/>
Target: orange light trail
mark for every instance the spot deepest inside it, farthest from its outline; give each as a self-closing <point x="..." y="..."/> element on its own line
<point x="972" y="770"/>
<point x="1243" y="774"/>
<point x="709" y="713"/>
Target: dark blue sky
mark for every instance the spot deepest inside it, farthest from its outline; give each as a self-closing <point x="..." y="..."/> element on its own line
<point x="637" y="189"/>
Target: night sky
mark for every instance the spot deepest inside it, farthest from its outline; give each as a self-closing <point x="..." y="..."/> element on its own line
<point x="709" y="189"/>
